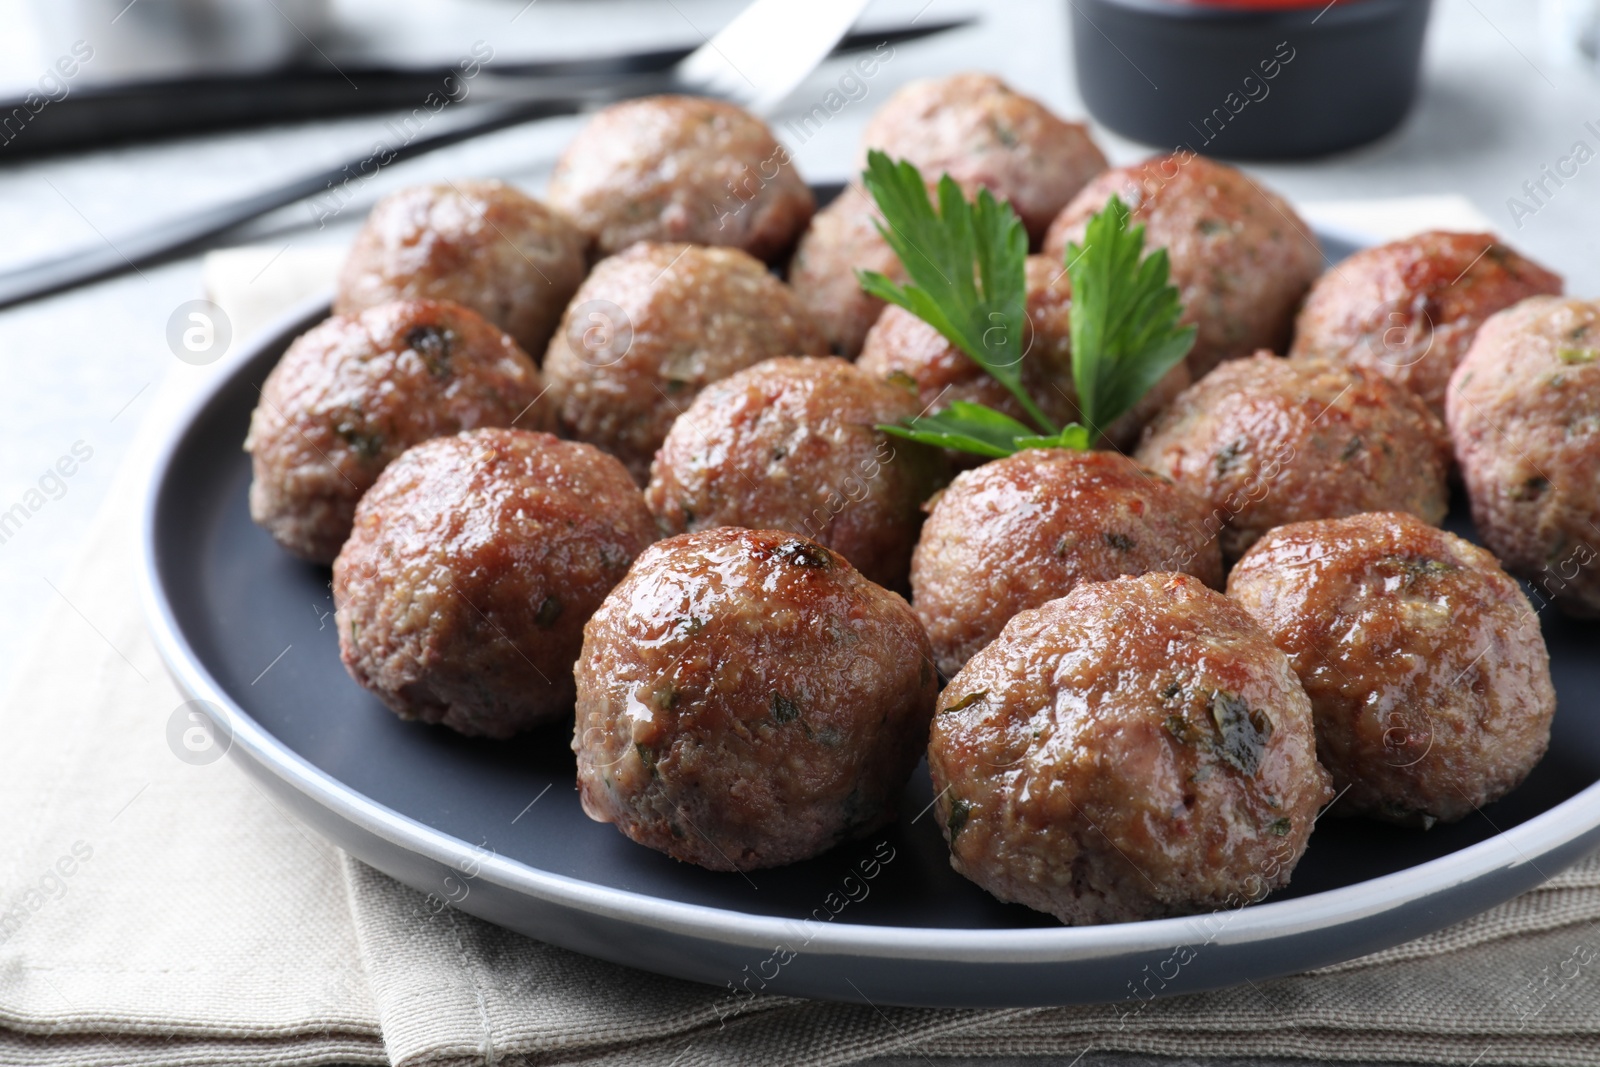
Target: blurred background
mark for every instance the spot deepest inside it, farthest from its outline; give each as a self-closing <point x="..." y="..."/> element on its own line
<point x="1508" y="88"/>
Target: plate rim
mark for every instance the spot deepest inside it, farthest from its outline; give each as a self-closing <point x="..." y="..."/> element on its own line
<point x="1565" y="825"/>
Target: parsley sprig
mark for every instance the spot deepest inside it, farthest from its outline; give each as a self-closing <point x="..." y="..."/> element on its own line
<point x="966" y="265"/>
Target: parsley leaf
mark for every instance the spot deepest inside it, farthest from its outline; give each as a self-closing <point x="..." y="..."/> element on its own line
<point x="967" y="264"/>
<point x="1124" y="319"/>
<point x="966" y="427"/>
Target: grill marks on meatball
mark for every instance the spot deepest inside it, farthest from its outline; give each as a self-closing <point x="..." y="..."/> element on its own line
<point x="748" y="699"/>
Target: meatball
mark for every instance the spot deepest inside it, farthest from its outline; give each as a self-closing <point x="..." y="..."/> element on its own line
<point x="1136" y="749"/>
<point x="902" y="349"/>
<point x="682" y="168"/>
<point x="355" y="391"/>
<point x="652" y="327"/>
<point x="1428" y="677"/>
<point x="793" y="444"/>
<point x="1410" y="308"/>
<point x="1267" y="441"/>
<point x="842" y="239"/>
<point x="1029" y="528"/>
<point x="1242" y="260"/>
<point x="1524" y="410"/>
<point x="483" y="244"/>
<point x="746" y="698"/>
<point x="474" y="564"/>
<point x="981" y="132"/>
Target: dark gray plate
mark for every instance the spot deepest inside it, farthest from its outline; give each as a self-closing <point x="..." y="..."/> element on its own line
<point x="495" y="828"/>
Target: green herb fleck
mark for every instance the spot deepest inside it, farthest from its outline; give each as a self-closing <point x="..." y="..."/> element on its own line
<point x="1351" y="450"/>
<point x="1172" y="690"/>
<point x="1244" y="731"/>
<point x="1578" y="355"/>
<point x="1281" y="827"/>
<point x="967" y="701"/>
<point x="692" y="625"/>
<point x="667" y="699"/>
<point x="784" y="709"/>
<point x="1211" y="226"/>
<point x="646" y="756"/>
<point x="1178" y="727"/>
<point x="902" y="379"/>
<point x="1414" y="569"/>
<point x="1121" y="542"/>
<point x="432" y="345"/>
<point x="1531" y="488"/>
<point x="805" y="554"/>
<point x="364" y="445"/>
<point x="549" y="610"/>
<point x="959" y="811"/>
<point x="1228" y="458"/>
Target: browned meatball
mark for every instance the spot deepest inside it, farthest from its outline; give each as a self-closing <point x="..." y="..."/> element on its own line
<point x="1241" y="258"/>
<point x="981" y="132"/>
<point x="652" y="327"/>
<point x="474" y="563"/>
<point x="1022" y="530"/>
<point x="483" y="244"/>
<point x="1524" y="409"/>
<point x="355" y="391"/>
<point x="682" y="168"/>
<point x="1268" y="441"/>
<point x="902" y="349"/>
<point x="842" y="239"/>
<point x="1135" y="749"/>
<point x="1427" y="673"/>
<point x="1410" y="308"/>
<point x="747" y="699"/>
<point x="793" y="444"/>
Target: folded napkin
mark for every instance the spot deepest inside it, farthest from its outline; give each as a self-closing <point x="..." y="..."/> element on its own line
<point x="154" y="911"/>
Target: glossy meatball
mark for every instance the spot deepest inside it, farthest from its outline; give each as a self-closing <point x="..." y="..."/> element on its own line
<point x="1135" y="749"/>
<point x="474" y="563"/>
<point x="842" y="239"/>
<point x="1524" y="410"/>
<point x="1410" y="308"/>
<point x="1241" y="258"/>
<point x="483" y="244"/>
<point x="793" y="444"/>
<point x="1428" y="676"/>
<point x="747" y="699"/>
<point x="903" y="350"/>
<point x="1019" y="531"/>
<point x="1268" y="441"/>
<point x="355" y="391"/>
<point x="975" y="128"/>
<point x="652" y="327"/>
<point x="682" y="168"/>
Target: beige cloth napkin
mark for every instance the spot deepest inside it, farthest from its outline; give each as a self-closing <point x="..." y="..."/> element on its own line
<point x="156" y="912"/>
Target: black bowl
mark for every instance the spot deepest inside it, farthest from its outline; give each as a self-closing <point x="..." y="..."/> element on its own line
<point x="1249" y="83"/>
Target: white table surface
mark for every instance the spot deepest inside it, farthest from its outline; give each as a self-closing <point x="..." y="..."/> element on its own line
<point x="82" y="366"/>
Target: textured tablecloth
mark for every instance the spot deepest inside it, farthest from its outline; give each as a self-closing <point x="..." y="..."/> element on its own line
<point x="156" y="911"/>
